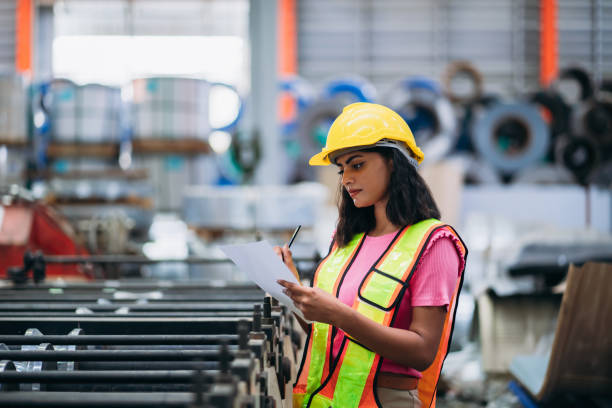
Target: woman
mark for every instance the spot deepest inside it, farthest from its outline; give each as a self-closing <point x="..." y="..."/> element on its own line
<point x="380" y="298"/>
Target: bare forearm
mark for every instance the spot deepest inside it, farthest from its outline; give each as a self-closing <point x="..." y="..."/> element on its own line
<point x="402" y="346"/>
<point x="415" y="347"/>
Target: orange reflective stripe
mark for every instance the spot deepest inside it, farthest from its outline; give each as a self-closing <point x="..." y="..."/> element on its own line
<point x="429" y="381"/>
<point x="368" y="398"/>
<point x="316" y="362"/>
<point x="351" y="382"/>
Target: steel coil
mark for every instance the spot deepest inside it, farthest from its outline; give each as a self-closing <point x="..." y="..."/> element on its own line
<point x="511" y="136"/>
<point x="580" y="77"/>
<point x="356" y="89"/>
<point x="579" y="155"/>
<point x="556" y="107"/>
<point x="313" y="126"/>
<point x="593" y="118"/>
<point x="462" y="71"/>
<point x="429" y="114"/>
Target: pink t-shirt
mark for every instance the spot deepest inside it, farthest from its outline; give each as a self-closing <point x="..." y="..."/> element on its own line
<point x="432" y="283"/>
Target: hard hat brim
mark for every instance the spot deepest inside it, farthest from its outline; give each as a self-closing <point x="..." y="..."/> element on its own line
<point x="320" y="159"/>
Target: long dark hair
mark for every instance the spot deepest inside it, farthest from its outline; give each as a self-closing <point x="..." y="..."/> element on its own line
<point x="410" y="200"/>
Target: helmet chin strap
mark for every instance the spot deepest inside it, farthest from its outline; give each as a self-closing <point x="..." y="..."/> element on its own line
<point x="381" y="143"/>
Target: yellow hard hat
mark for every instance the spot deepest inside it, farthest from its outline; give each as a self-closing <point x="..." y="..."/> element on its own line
<point x="363" y="125"/>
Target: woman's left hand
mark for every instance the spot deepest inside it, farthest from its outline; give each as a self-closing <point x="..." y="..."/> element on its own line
<point x="315" y="303"/>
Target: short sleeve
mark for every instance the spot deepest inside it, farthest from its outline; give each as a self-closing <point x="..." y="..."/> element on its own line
<point x="435" y="278"/>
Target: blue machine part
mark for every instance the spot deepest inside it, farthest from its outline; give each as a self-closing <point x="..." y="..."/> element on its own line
<point x="360" y="89"/>
<point x="303" y="95"/>
<point x="522" y="395"/>
<point x="231" y="125"/>
<point x="39" y="94"/>
<point x="423" y="105"/>
<point x="413" y="83"/>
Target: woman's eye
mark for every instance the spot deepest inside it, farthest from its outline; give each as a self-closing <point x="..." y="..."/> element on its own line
<point x="357" y="165"/>
<point x="340" y="171"/>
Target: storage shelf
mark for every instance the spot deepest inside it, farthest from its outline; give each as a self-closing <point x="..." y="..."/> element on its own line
<point x="186" y="147"/>
<point x="13" y="142"/>
<point x="106" y="150"/>
<point x="113" y="173"/>
<point x="145" y="203"/>
<point x="170" y="146"/>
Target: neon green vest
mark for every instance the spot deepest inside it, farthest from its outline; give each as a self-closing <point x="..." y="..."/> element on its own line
<point x="349" y="381"/>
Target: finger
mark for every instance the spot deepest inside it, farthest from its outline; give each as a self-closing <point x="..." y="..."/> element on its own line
<point x="298" y="289"/>
<point x="287" y="252"/>
<point x="292" y="296"/>
<point x="285" y="284"/>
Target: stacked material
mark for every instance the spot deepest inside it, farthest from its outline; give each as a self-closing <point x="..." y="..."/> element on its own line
<point x="145" y="344"/>
<point x="249" y="208"/>
<point x="13" y="162"/>
<point x="103" y="197"/>
<point x="13" y="109"/>
<point x="85" y="113"/>
<point x="170" y="108"/>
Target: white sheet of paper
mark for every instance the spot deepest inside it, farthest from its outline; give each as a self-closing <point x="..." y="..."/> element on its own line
<point x="261" y="264"/>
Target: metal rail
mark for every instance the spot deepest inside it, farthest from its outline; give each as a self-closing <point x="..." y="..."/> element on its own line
<point x="148" y="307"/>
<point x="137" y="259"/>
<point x="114" y="377"/>
<point x="121" y="340"/>
<point x="22" y="399"/>
<point x="116" y="355"/>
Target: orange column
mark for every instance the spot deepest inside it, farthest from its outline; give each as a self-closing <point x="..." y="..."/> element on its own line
<point x="287" y="53"/>
<point x="23" y="40"/>
<point x="549" y="42"/>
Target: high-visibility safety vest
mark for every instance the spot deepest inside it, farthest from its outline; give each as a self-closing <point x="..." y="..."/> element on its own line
<point x="349" y="380"/>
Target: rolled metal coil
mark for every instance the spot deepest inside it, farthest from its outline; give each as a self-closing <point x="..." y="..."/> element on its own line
<point x="422" y="104"/>
<point x="593" y="118"/>
<point x="511" y="136"/>
<point x="579" y="155"/>
<point x="580" y="77"/>
<point x="556" y="107"/>
<point x="462" y="70"/>
<point x="355" y="88"/>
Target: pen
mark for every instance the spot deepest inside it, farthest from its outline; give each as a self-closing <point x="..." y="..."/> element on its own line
<point x="294" y="235"/>
<point x="291" y="240"/>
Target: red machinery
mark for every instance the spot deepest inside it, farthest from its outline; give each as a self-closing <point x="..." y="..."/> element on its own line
<point x="33" y="226"/>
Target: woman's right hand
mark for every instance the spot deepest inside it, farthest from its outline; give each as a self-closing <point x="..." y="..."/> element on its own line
<point x="284" y="254"/>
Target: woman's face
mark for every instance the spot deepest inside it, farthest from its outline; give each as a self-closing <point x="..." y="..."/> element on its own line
<point x="365" y="176"/>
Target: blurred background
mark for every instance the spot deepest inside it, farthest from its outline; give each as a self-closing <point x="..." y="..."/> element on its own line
<point x="147" y="132"/>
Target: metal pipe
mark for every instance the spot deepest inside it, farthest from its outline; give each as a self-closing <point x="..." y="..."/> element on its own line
<point x="126" y="387"/>
<point x="128" y="315"/>
<point x="21" y="399"/>
<point x="119" y="340"/>
<point x="135" y="259"/>
<point x="113" y="355"/>
<point x="217" y="297"/>
<point x="119" y="325"/>
<point x="113" y="377"/>
<point x="146" y="365"/>
<point x="135" y="307"/>
<point x="148" y="284"/>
